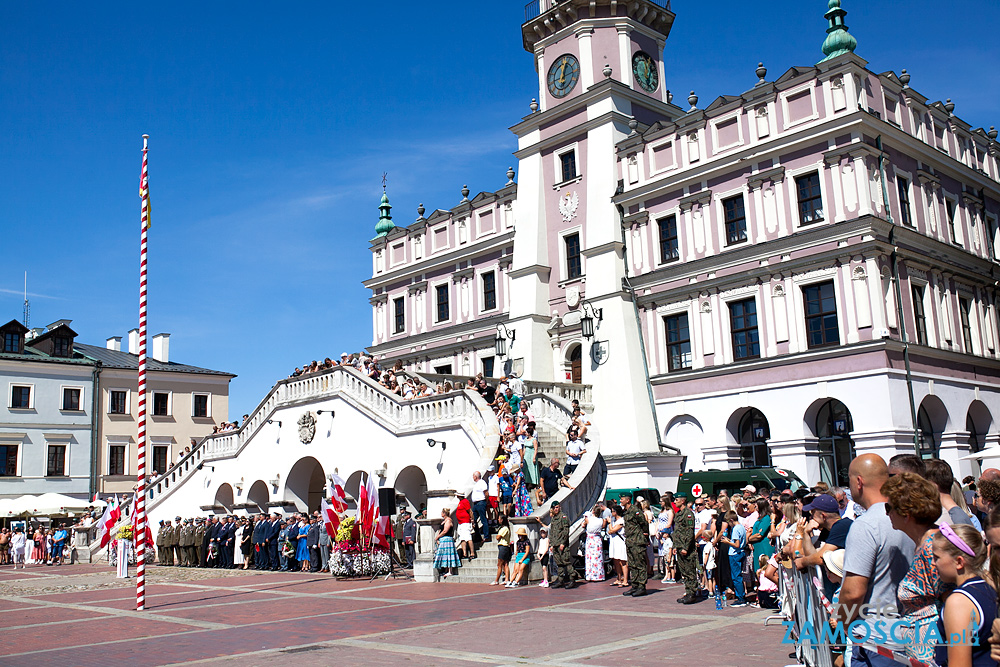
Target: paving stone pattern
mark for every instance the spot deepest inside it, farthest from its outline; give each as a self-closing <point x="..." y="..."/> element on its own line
<point x="82" y="615"/>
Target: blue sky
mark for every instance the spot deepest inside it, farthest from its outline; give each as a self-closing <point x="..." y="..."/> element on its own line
<point x="271" y="125"/>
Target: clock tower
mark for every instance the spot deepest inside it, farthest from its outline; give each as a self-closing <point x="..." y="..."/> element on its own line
<point x="601" y="74"/>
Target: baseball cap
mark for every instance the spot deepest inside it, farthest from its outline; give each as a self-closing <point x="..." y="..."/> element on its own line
<point x="749" y="487"/>
<point x="823" y="502"/>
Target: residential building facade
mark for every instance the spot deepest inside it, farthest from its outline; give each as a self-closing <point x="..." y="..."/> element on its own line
<point x="46" y="420"/>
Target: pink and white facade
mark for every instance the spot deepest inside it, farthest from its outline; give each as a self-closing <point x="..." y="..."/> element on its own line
<point x="755" y="301"/>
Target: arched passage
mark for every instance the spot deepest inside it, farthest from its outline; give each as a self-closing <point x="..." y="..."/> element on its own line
<point x="352" y="488"/>
<point x="575" y="359"/>
<point x="686" y="434"/>
<point x="306" y="484"/>
<point x="932" y="417"/>
<point x="833" y="426"/>
<point x="978" y="422"/>
<point x="411" y="483"/>
<point x="258" y="496"/>
<point x="749" y="428"/>
<point x="224" y="498"/>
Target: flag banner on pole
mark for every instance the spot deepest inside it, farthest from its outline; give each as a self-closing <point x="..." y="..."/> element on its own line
<point x="331" y="520"/>
<point x="338" y="496"/>
<point x="144" y="192"/>
<point x="135" y="526"/>
<point x="371" y="512"/>
<point x="107" y="523"/>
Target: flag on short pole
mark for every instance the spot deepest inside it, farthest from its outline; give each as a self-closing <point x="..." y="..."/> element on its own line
<point x="108" y="520"/>
<point x="331" y="520"/>
<point x="338" y="496"/>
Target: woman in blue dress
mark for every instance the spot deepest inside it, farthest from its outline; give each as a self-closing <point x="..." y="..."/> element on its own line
<point x="301" y="550"/>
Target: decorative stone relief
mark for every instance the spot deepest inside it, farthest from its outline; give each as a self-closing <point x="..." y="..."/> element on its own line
<point x="307" y="427"/>
<point x="862" y="302"/>
<point x="770" y="209"/>
<point x="694" y="152"/>
<point x="568" y="205"/>
<point x="839" y="95"/>
<point x="633" y="169"/>
<point x="778" y="290"/>
<point x="763" y="126"/>
<point x="463" y="231"/>
<point x="706" y="306"/>
<point x="698" y="228"/>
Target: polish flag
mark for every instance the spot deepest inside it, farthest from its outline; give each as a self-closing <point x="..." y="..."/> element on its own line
<point x="383" y="532"/>
<point x="107" y="521"/>
<point x="338" y="497"/>
<point x="331" y="520"/>
<point x="368" y="505"/>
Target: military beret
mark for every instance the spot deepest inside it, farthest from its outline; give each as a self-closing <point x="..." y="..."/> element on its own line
<point x="554" y="504"/>
<point x="680" y="496"/>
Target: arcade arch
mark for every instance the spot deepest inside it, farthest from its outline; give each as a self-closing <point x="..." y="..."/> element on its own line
<point x="932" y="418"/>
<point x="257" y="497"/>
<point x="411" y="483"/>
<point x="306" y="484"/>
<point x="224" y="497"/>
<point x="833" y="426"/>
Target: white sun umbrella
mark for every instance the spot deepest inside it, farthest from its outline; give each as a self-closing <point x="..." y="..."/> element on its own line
<point x="48" y="504"/>
<point x="988" y="453"/>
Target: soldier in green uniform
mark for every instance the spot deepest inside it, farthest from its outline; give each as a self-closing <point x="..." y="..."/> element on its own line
<point x="636" y="540"/>
<point x="186" y="542"/>
<point x="161" y="549"/>
<point x="178" y="552"/>
<point x="199" y="537"/>
<point x="687" y="552"/>
<point x="168" y="544"/>
<point x="559" y="541"/>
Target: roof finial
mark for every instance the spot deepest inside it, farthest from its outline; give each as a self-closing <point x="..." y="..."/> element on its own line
<point x="385" y="224"/>
<point x="385" y="175"/>
<point x="838" y="41"/>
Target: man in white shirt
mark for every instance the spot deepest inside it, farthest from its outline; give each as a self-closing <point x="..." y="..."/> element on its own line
<point x="574" y="453"/>
<point x="494" y="489"/>
<point x="479" y="490"/>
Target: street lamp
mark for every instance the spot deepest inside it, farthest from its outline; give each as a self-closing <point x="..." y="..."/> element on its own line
<point x="587" y="321"/>
<point x="503" y="334"/>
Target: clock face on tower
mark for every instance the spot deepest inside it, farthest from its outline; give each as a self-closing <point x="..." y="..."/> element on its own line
<point x="563" y="75"/>
<point x="644" y="69"/>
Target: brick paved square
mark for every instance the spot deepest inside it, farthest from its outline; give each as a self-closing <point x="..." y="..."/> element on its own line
<point x="251" y="618"/>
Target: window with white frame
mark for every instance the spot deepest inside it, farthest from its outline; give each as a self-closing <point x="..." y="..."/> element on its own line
<point x="72" y="398"/>
<point x="118" y="402"/>
<point x="161" y="403"/>
<point x="919" y="314"/>
<point x="574" y="262"/>
<point x="8" y="459"/>
<point x="489" y="290"/>
<point x="743" y="327"/>
<point x="56" y="460"/>
<point x="678" y="335"/>
<point x="117" y="458"/>
<point x="736" y="220"/>
<point x="22" y="397"/>
<point x="566" y="164"/>
<point x="201" y="405"/>
<point x="443" y="304"/>
<point x="810" y="198"/>
<point x="820" y="304"/>
<point x="965" y="316"/>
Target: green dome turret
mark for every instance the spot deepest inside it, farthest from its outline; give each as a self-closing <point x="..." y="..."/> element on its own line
<point x="384" y="225"/>
<point x="838" y="41"/>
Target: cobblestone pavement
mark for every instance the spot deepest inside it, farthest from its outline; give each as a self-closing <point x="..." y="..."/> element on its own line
<point x="82" y="615"/>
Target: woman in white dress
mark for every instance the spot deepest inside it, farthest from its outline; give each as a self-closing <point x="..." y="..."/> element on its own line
<point x="18" y="544"/>
<point x="594" y="555"/>
<point x="238" y="558"/>
<point x="616" y="547"/>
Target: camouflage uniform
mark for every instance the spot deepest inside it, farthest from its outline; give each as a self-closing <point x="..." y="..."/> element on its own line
<point x="559" y="536"/>
<point x="636" y="540"/>
<point x="683" y="537"/>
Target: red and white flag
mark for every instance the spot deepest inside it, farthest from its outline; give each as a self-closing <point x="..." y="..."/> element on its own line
<point x="108" y="520"/>
<point x="368" y="505"/>
<point x="135" y="525"/>
<point x="331" y="520"/>
<point x="338" y="496"/>
<point x="383" y="532"/>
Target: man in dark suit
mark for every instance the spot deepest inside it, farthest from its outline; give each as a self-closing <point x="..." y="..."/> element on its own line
<point x="273" y="541"/>
<point x="230" y="543"/>
<point x="259" y="549"/>
<point x="312" y="542"/>
<point x="211" y="538"/>
<point x="409" y="538"/>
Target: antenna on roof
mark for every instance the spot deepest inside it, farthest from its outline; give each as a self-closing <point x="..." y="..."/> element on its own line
<point x="27" y="306"/>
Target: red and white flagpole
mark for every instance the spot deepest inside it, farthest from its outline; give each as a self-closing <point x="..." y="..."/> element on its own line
<point x="140" y="505"/>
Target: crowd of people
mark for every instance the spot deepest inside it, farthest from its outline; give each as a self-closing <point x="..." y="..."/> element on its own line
<point x="22" y="544"/>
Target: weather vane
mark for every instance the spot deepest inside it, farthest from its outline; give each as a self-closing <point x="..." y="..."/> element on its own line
<point x="384" y="175"/>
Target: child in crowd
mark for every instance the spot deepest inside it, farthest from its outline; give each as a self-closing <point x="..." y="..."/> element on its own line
<point x="522" y="559"/>
<point x="767" y="590"/>
<point x="543" y="556"/>
<point x="709" y="561"/>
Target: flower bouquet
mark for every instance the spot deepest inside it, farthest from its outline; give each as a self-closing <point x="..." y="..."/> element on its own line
<point x="352" y="558"/>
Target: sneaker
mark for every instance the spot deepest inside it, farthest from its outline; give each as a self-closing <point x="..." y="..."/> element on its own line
<point x="494" y="583"/>
<point x="739" y="604"/>
<point x="544" y="584"/>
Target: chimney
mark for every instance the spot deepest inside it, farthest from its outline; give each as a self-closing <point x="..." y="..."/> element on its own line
<point x="133" y="341"/>
<point x="161" y="347"/>
<point x="115" y="343"/>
